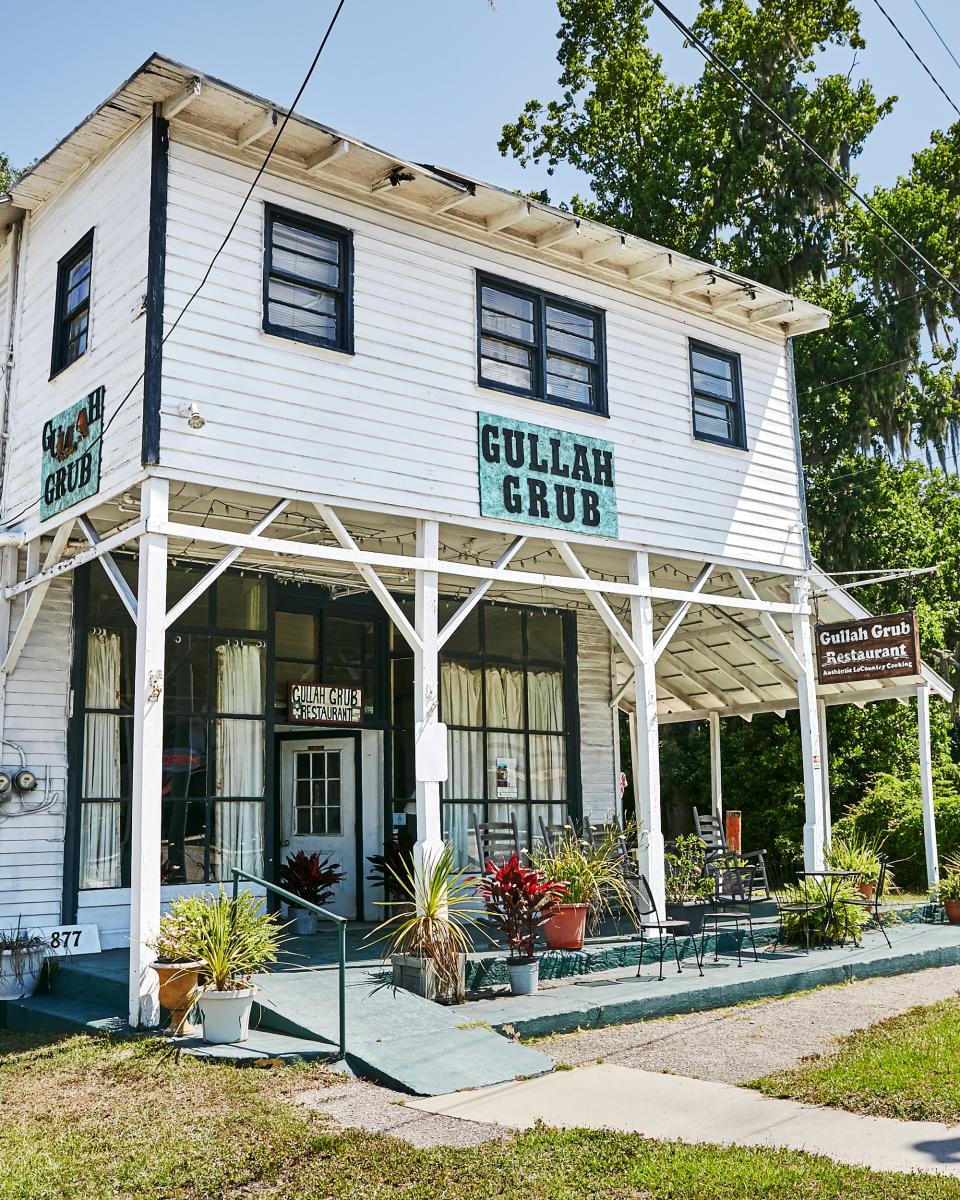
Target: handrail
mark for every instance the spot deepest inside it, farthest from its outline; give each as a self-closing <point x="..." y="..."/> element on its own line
<point x="341" y="924"/>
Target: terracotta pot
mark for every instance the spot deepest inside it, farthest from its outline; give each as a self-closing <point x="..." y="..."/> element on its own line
<point x="178" y="994"/>
<point x="952" y="909"/>
<point x="565" y="926"/>
<point x="867" y="890"/>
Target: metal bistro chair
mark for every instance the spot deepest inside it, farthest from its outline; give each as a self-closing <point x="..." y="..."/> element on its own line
<point x="872" y="905"/>
<point x="665" y="927"/>
<point x="709" y="829"/>
<point x="497" y="840"/>
<point x="805" y="907"/>
<point x="731" y="904"/>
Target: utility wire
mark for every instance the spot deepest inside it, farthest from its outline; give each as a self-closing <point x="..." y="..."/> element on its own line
<point x="900" y="34"/>
<point x="937" y="33"/>
<point x="213" y="261"/>
<point x="712" y="57"/>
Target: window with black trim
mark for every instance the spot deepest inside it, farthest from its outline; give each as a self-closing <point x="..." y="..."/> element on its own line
<point x="71" y="321"/>
<point x="308" y="280"/>
<point x="534" y="344"/>
<point x="717" y="389"/>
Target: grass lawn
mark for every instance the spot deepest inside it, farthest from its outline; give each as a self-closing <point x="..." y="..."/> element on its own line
<point x="904" y="1067"/>
<point x="84" y="1117"/>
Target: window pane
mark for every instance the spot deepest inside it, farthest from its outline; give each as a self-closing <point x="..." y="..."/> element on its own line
<point x="181" y="580"/>
<point x="712" y="364"/>
<point x="287" y="673"/>
<point x="460" y="694"/>
<point x="348" y="652"/>
<point x="402" y="692"/>
<point x="103" y="669"/>
<point x="507" y="364"/>
<point x="545" y="700"/>
<point x="239" y="759"/>
<point x="76" y="337"/>
<point x="298" y="635"/>
<point x="506" y="768"/>
<point x="503" y="631"/>
<point x="239" y="667"/>
<point x="103" y="838"/>
<point x="459" y="823"/>
<point x="187" y="672"/>
<point x="79" y="272"/>
<point x="104" y="605"/>
<point x="105" y="756"/>
<point x="183" y="841"/>
<point x="237" y="838"/>
<point x="505" y="313"/>
<point x="548" y="768"/>
<point x="241" y="602"/>
<point x="299" y="321"/>
<point x="713" y="419"/>
<point x="465" y="755"/>
<point x="184" y="756"/>
<point x="404" y="778"/>
<point x="545" y="635"/>
<point x="78" y="293"/>
<point x="307" y="254"/>
<point x="571" y="332"/>
<point x="569" y="381"/>
<point x="466" y="638"/>
<point x="712" y="385"/>
<point x="505" y="697"/>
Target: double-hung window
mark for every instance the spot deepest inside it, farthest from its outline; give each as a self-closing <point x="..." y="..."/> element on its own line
<point x="533" y="344"/>
<point x="307" y="280"/>
<point x="717" y="389"/>
<point x="71" y="323"/>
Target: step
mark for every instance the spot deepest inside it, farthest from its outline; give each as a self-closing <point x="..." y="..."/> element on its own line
<point x="263" y="1047"/>
<point x="99" y="978"/>
<point x="61" y="1014"/>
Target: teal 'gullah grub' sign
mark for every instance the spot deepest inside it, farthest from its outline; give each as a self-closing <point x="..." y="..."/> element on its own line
<point x="70" y="455"/>
<point x="546" y="477"/>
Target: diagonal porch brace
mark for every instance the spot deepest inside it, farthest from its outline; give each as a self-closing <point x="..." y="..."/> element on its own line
<point x="478" y="593"/>
<point x="32" y="609"/>
<point x="778" y="638"/>
<point x="371" y="578"/>
<point x="607" y="615"/>
<point x="110" y="568"/>
<point x="677" y="619"/>
<point x="218" y="569"/>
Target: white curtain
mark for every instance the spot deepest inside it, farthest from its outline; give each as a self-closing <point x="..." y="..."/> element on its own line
<point x="239" y="758"/>
<point x="100" y="823"/>
<point x="548" y="780"/>
<point x="460" y="698"/>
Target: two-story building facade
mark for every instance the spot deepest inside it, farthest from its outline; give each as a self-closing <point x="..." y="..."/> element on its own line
<point x="349" y="500"/>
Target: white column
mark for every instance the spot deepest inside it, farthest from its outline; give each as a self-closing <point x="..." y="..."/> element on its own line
<point x="825" y="775"/>
<point x="926" y="786"/>
<point x="716" y="768"/>
<point x="646" y="768"/>
<point x="147" y="757"/>
<point x="430" y="752"/>
<point x="813" y="837"/>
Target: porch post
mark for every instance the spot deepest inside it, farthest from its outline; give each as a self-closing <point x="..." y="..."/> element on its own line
<point x="147" y="756"/>
<point x="716" y="768"/>
<point x="646" y="767"/>
<point x="926" y="786"/>
<point x="813" y="837"/>
<point x="430" y="751"/>
<point x="825" y="775"/>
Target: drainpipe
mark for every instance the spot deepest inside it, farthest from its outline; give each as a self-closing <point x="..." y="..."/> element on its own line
<point x="6" y="348"/>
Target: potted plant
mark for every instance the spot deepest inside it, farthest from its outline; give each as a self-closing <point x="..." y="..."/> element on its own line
<point x="313" y="879"/>
<point x="231" y="939"/>
<point x="428" y="937"/>
<point x="177" y="971"/>
<point x="22" y="954"/>
<point x="517" y="899"/>
<point x="804" y="904"/>
<point x="594" y="886"/>
<point x="948" y="889"/>
<point x="688" y="885"/>
<point x="855" y="853"/>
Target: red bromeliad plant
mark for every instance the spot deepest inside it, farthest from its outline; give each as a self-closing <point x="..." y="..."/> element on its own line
<point x="518" y="899"/>
<point x="310" y="877"/>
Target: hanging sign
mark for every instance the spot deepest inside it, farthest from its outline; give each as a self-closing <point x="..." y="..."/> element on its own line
<point x="871" y="648"/>
<point x="321" y="704"/>
<point x="70" y="455"/>
<point x="546" y="476"/>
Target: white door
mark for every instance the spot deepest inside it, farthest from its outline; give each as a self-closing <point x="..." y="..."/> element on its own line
<point x="318" y="808"/>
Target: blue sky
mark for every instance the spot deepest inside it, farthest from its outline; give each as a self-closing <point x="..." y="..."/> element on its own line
<point x="430" y="80"/>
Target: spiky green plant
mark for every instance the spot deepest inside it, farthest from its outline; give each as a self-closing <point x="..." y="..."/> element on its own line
<point x="848" y="917"/>
<point x="437" y="909"/>
<point x="855" y="853"/>
<point x="231" y="938"/>
<point x="593" y="874"/>
<point x="949" y="886"/>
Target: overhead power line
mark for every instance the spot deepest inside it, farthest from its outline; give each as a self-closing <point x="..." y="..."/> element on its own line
<point x="903" y="38"/>
<point x="937" y="33"/>
<point x="714" y="58"/>
<point x="226" y="238"/>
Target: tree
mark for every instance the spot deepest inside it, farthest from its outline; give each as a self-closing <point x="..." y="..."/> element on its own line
<point x="7" y="174"/>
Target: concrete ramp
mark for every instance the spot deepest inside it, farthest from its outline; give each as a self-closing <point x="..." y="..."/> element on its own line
<point x="394" y="1037"/>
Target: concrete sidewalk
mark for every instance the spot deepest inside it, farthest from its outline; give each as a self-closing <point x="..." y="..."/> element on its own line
<point x="676" y="1108"/>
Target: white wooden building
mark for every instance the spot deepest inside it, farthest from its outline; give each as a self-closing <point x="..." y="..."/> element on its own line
<point x="491" y="472"/>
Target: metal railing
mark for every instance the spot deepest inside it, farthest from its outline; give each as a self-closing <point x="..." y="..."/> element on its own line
<point x="341" y="924"/>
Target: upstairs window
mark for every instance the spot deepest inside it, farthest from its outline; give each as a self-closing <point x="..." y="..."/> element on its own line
<point x="533" y="344"/>
<point x="307" y="280"/>
<point x="717" y="396"/>
<point x="71" y="322"/>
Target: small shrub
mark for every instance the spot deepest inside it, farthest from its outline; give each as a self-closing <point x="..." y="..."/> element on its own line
<point x="310" y="877"/>
<point x="847" y="917"/>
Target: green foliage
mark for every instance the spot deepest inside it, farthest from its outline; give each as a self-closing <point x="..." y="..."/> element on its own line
<point x="593" y="873"/>
<point x="855" y="853"/>
<point x="686" y="878"/>
<point x="846" y="918"/>
<point x="7" y="174"/>
<point x="437" y="909"/>
<point x="949" y="885"/>
<point x="904" y="1067"/>
<point x="891" y="813"/>
<point x="231" y="938"/>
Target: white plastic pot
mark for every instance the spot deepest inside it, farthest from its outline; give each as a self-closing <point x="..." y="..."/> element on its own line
<point x="524" y="975"/>
<point x="226" y="1015"/>
<point x="19" y="979"/>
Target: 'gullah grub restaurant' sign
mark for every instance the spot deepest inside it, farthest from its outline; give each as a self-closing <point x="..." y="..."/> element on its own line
<point x="320" y="704"/>
<point x="871" y="648"/>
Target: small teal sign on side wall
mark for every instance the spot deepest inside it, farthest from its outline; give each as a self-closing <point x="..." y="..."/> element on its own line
<point x="544" y="476"/>
<point x="70" y="455"/>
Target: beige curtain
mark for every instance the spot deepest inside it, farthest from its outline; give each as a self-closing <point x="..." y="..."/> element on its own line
<point x="100" y="823"/>
<point x="239" y="759"/>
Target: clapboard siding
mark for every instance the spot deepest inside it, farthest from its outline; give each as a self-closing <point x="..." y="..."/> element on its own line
<point x="597" y="769"/>
<point x="112" y="198"/>
<point x="395" y="424"/>
<point x="37" y="714"/>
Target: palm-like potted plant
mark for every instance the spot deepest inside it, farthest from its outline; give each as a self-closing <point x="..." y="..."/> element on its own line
<point x="855" y="853"/>
<point x="22" y="955"/>
<point x="313" y="879"/>
<point x="594" y="881"/>
<point x="428" y="935"/>
<point x="517" y="900"/>
<point x="177" y="971"/>
<point x="688" y="885"/>
<point x="948" y="888"/>
<point x="232" y="938"/>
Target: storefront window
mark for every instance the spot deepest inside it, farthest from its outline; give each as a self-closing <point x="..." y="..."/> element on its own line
<point x="318" y="647"/>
